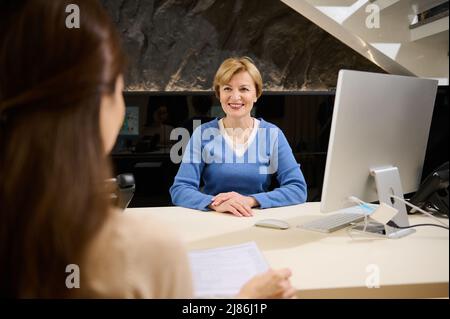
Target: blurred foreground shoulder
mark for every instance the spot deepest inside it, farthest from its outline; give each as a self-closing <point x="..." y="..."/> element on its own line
<point x="137" y="256"/>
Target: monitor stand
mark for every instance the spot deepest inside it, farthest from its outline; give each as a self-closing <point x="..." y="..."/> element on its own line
<point x="387" y="180"/>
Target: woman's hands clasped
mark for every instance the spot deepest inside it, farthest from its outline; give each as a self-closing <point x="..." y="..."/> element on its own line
<point x="234" y="203"/>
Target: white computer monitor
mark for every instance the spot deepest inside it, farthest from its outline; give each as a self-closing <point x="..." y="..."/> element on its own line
<point x="378" y="139"/>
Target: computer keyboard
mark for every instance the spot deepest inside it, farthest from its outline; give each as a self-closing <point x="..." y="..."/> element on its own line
<point x="333" y="222"/>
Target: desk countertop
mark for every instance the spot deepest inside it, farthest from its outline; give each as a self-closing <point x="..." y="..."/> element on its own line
<point x="339" y="264"/>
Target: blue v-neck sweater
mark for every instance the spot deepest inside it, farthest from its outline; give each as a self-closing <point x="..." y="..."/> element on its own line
<point x="209" y="158"/>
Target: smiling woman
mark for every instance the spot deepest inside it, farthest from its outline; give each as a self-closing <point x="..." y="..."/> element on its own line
<point x="245" y="152"/>
<point x="238" y="84"/>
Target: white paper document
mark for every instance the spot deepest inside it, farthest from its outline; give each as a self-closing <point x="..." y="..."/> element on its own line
<point x="221" y="272"/>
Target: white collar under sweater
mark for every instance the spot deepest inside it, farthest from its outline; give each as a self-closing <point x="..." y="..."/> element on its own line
<point x="239" y="148"/>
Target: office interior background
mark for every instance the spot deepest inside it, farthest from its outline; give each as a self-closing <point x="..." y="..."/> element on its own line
<point x="174" y="48"/>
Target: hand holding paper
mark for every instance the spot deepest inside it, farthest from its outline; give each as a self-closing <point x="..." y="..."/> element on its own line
<point x="238" y="271"/>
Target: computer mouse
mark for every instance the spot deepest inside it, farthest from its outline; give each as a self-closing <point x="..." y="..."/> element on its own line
<point x="272" y="223"/>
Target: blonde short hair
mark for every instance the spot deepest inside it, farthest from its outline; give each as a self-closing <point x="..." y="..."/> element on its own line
<point x="230" y="67"/>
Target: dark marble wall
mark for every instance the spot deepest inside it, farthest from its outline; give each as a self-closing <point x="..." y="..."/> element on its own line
<point x="177" y="45"/>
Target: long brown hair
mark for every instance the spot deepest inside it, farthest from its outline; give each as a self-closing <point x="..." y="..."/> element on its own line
<point x="52" y="160"/>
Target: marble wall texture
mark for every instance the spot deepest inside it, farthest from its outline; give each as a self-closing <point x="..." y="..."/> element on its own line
<point x="177" y="45"/>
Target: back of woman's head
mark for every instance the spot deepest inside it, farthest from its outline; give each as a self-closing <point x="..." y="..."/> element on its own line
<point x="52" y="160"/>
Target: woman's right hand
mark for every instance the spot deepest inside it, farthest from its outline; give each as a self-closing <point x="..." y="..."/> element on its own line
<point x="233" y="206"/>
<point x="268" y="285"/>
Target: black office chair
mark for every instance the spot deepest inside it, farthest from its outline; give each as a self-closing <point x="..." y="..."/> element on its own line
<point x="123" y="190"/>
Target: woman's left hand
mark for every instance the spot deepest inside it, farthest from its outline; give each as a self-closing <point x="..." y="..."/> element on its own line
<point x="223" y="197"/>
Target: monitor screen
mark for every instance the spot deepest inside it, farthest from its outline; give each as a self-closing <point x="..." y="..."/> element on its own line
<point x="379" y="121"/>
<point x="130" y="125"/>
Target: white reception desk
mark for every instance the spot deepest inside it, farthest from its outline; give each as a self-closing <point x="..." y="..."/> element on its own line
<point x="336" y="265"/>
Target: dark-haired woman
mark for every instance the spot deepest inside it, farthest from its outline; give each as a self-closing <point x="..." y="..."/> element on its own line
<point x="61" y="108"/>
